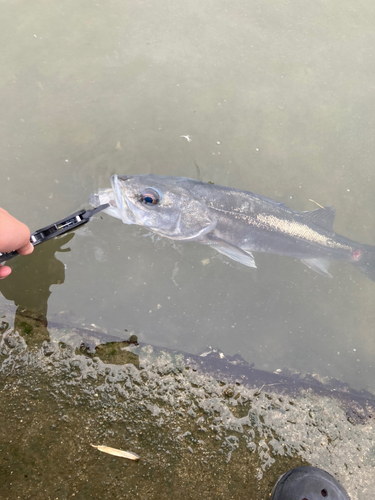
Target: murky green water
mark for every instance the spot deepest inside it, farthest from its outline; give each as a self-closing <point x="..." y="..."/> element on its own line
<point x="277" y="97"/>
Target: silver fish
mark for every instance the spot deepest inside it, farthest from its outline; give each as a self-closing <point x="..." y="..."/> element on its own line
<point x="233" y="222"/>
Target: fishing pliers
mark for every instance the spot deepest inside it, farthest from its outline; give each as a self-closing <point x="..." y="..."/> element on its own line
<point x="57" y="228"/>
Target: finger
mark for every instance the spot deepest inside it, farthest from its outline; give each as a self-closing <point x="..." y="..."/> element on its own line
<point x="14" y="234"/>
<point x="26" y="249"/>
<point x="22" y="238"/>
<point x="4" y="272"/>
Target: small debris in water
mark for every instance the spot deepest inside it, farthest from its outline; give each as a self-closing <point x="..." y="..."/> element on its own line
<point x="116" y="453"/>
<point x="187" y="137"/>
<point x="321" y="206"/>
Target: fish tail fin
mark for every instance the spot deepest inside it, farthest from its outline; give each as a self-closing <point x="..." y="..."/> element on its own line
<point x="366" y="261"/>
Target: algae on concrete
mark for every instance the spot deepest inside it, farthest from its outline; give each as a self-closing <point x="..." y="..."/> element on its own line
<point x="196" y="436"/>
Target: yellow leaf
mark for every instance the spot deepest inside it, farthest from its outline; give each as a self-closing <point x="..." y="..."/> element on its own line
<point x="117" y="453"/>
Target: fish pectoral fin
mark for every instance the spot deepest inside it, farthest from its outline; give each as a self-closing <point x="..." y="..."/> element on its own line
<point x="231" y="251"/>
<point x="320" y="266"/>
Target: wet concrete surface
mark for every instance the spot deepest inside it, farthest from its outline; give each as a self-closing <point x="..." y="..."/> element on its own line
<point x="197" y="436"/>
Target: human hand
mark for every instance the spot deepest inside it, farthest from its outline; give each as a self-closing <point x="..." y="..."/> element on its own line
<point x="14" y="235"/>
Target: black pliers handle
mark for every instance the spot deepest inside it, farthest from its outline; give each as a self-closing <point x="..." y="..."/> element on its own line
<point x="58" y="228"/>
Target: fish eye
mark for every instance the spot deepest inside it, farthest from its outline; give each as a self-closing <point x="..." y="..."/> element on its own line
<point x="150" y="196"/>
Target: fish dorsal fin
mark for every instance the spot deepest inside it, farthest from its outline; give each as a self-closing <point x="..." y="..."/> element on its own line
<point x="323" y="217"/>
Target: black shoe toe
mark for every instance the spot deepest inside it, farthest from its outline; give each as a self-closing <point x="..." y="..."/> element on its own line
<point x="308" y="483"/>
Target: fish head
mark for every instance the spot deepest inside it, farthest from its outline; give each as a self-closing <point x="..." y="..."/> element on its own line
<point x="163" y="204"/>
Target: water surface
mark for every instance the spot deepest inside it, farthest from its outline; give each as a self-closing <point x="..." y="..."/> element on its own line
<point x="277" y="98"/>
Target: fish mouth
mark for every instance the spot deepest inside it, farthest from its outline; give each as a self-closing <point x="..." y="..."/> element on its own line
<point x="122" y="203"/>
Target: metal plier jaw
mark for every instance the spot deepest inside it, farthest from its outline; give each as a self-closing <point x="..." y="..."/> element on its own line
<point x="58" y="228"/>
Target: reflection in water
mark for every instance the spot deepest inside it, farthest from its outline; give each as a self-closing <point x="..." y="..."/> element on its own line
<point x="29" y="285"/>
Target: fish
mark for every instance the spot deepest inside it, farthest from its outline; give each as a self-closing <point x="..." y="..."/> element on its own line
<point x="233" y="222"/>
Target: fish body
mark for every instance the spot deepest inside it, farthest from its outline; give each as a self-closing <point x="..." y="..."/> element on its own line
<point x="233" y="222"/>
